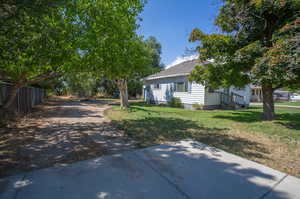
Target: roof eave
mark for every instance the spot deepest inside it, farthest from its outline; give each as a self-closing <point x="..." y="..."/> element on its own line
<point x="166" y="76"/>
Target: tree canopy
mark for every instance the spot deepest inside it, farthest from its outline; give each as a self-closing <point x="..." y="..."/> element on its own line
<point x="41" y="38"/>
<point x="36" y="41"/>
<point x="156" y="52"/>
<point x="110" y="45"/>
<point x="259" y="45"/>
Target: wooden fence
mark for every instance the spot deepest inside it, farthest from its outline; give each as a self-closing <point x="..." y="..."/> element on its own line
<point x="26" y="98"/>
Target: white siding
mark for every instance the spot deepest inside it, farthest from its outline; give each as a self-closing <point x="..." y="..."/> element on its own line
<point x="246" y="92"/>
<point x="212" y="99"/>
<point x="165" y="93"/>
<point x="196" y="95"/>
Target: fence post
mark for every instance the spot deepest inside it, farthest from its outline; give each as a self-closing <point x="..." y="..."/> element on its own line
<point x="26" y="97"/>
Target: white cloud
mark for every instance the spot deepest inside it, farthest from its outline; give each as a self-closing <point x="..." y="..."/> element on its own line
<point x="181" y="59"/>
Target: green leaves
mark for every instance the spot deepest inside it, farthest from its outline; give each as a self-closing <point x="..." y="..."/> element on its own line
<point x="214" y="46"/>
<point x="246" y="56"/>
<point x="109" y="38"/>
<point x="262" y="44"/>
<point x="35" y="40"/>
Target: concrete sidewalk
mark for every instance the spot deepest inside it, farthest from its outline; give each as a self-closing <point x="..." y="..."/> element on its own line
<point x="186" y="169"/>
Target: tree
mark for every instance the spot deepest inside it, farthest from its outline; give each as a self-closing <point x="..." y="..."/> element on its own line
<point x="261" y="46"/>
<point x="110" y="44"/>
<point x="135" y="86"/>
<point x="12" y="8"/>
<point x="82" y="84"/>
<point x="156" y="52"/>
<point x="36" y="42"/>
<point x="137" y="62"/>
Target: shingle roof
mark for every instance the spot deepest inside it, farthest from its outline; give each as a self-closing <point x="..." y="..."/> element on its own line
<point x="181" y="69"/>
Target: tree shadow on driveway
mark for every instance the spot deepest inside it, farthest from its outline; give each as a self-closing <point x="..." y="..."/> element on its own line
<point x="34" y="147"/>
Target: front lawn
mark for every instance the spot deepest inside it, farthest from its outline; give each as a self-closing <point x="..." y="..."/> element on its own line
<point x="288" y="103"/>
<point x="276" y="143"/>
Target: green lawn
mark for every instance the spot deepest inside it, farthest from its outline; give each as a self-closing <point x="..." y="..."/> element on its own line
<point x="241" y="132"/>
<point x="288" y="103"/>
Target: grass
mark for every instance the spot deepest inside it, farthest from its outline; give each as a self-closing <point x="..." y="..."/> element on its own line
<point x="288" y="103"/>
<point x="275" y="143"/>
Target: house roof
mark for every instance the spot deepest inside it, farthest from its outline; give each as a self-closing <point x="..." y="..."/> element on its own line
<point x="182" y="69"/>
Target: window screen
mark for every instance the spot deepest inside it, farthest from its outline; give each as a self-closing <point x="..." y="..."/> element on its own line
<point x="181" y="86"/>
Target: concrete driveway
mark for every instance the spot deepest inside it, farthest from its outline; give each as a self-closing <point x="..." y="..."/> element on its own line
<point x="186" y="169"/>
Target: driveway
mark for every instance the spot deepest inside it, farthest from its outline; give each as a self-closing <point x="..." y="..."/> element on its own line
<point x="58" y="133"/>
<point x="185" y="170"/>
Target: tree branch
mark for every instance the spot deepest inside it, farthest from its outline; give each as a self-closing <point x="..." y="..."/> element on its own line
<point x="40" y="78"/>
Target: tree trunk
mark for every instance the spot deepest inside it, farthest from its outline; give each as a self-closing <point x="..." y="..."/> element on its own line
<point x="268" y="102"/>
<point x="122" y="85"/>
<point x="11" y="97"/>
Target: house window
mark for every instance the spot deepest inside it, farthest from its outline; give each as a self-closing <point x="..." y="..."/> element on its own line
<point x="156" y="86"/>
<point x="181" y="86"/>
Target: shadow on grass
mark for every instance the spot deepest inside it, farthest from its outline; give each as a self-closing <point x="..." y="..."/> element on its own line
<point x="146" y="108"/>
<point x="156" y="130"/>
<point x="137" y="104"/>
<point x="241" y="116"/>
<point x="288" y="120"/>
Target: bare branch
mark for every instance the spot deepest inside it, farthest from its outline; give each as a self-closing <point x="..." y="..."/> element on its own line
<point x="40" y="78"/>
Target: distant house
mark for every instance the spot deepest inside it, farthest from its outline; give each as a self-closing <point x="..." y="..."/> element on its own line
<point x="256" y="94"/>
<point x="279" y="95"/>
<point x="161" y="87"/>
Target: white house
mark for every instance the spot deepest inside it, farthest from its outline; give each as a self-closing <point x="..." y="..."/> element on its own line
<point x="278" y="95"/>
<point x="161" y="87"/>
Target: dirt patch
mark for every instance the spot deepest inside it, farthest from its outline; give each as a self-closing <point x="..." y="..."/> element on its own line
<point x="270" y="151"/>
<point x="59" y="132"/>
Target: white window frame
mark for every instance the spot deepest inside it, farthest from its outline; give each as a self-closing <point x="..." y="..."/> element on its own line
<point x="186" y="87"/>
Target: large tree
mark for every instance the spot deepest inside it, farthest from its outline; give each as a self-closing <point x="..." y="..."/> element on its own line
<point x="36" y="41"/>
<point x="260" y="45"/>
<point x="110" y="45"/>
<point x="135" y="86"/>
<point x="133" y="67"/>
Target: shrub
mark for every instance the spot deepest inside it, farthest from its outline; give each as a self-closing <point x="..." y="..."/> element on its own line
<point x="198" y="106"/>
<point x="176" y="102"/>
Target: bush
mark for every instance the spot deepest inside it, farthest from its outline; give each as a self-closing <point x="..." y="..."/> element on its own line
<point x="198" y="106"/>
<point x="176" y="102"/>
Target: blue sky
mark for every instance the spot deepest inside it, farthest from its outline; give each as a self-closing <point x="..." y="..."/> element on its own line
<point x="171" y="22"/>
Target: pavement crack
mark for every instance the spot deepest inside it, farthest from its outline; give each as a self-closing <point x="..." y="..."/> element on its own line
<point x="172" y="184"/>
<point x="273" y="187"/>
